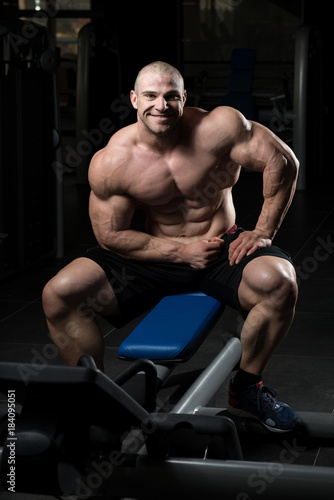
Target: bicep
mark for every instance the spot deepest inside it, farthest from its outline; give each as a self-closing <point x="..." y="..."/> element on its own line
<point x="110" y="215"/>
<point x="256" y="147"/>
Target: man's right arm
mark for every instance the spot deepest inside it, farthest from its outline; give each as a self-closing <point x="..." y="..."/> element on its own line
<point x="111" y="223"/>
<point x="111" y="213"/>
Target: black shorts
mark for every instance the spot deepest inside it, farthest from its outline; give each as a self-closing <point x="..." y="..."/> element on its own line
<point x="140" y="285"/>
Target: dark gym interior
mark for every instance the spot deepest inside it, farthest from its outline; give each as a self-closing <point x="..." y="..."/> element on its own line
<point x="67" y="68"/>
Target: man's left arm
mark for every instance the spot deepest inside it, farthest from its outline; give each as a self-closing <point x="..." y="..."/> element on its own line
<point x="257" y="148"/>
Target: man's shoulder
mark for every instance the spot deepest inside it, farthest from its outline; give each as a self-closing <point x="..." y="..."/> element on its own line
<point x="109" y="163"/>
<point x="220" y="127"/>
<point x="122" y="139"/>
<point x="219" y="116"/>
<point x="222" y="111"/>
<point x="118" y="149"/>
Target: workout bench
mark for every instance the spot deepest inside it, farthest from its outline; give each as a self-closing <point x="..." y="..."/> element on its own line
<point x="77" y="431"/>
<point x="172" y="332"/>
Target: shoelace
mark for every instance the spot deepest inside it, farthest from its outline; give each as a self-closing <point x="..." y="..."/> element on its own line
<point x="265" y="394"/>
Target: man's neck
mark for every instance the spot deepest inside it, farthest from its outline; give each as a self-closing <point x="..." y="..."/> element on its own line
<point x="158" y="142"/>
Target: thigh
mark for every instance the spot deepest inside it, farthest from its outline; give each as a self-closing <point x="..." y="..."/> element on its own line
<point x="84" y="285"/>
<point x="222" y="281"/>
<point x="140" y="285"/>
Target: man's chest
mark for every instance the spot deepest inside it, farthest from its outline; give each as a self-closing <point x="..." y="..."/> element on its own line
<point x="158" y="180"/>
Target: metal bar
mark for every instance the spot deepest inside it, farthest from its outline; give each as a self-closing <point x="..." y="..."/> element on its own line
<point x="317" y="424"/>
<point x="210" y="380"/>
<point x="300" y="101"/>
<point x="179" y="478"/>
<point x="58" y="158"/>
<point x="82" y="91"/>
<point x="86" y="14"/>
<point x="208" y="410"/>
<point x="164" y="372"/>
<point x="314" y="425"/>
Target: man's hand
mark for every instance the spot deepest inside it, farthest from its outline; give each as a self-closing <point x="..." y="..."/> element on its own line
<point x="246" y="244"/>
<point x="200" y="253"/>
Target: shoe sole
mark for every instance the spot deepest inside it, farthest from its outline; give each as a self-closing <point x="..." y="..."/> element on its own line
<point x="246" y="414"/>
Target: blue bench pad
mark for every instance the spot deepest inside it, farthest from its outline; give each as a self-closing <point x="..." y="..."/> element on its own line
<point x="173" y="329"/>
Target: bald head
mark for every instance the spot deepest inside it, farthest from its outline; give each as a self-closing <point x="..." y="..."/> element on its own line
<point x="158" y="67"/>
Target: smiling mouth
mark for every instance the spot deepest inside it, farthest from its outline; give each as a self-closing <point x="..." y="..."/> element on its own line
<point x="162" y="117"/>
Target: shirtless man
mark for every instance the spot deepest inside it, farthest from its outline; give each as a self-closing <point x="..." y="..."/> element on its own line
<point x="179" y="165"/>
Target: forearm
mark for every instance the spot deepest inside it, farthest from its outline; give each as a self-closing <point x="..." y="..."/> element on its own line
<point x="141" y="246"/>
<point x="137" y="245"/>
<point x="279" y="184"/>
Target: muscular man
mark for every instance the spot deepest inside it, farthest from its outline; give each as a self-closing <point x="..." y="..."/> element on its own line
<point x="179" y="165"/>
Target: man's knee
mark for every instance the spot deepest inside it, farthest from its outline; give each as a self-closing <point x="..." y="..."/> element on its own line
<point x="283" y="289"/>
<point x="81" y="288"/>
<point x="55" y="297"/>
<point x="272" y="279"/>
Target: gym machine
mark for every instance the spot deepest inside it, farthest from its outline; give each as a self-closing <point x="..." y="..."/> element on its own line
<point x="77" y="432"/>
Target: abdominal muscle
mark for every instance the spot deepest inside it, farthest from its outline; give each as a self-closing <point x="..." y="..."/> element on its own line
<point x="187" y="221"/>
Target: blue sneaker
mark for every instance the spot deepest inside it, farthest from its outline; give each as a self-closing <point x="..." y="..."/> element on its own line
<point x="259" y="402"/>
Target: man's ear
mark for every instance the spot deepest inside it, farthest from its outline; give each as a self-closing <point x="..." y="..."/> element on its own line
<point x="184" y="96"/>
<point x="133" y="98"/>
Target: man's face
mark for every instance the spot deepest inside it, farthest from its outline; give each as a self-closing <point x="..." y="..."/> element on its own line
<point x="159" y="100"/>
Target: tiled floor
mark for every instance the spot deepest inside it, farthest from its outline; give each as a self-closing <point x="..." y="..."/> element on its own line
<point x="302" y="369"/>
